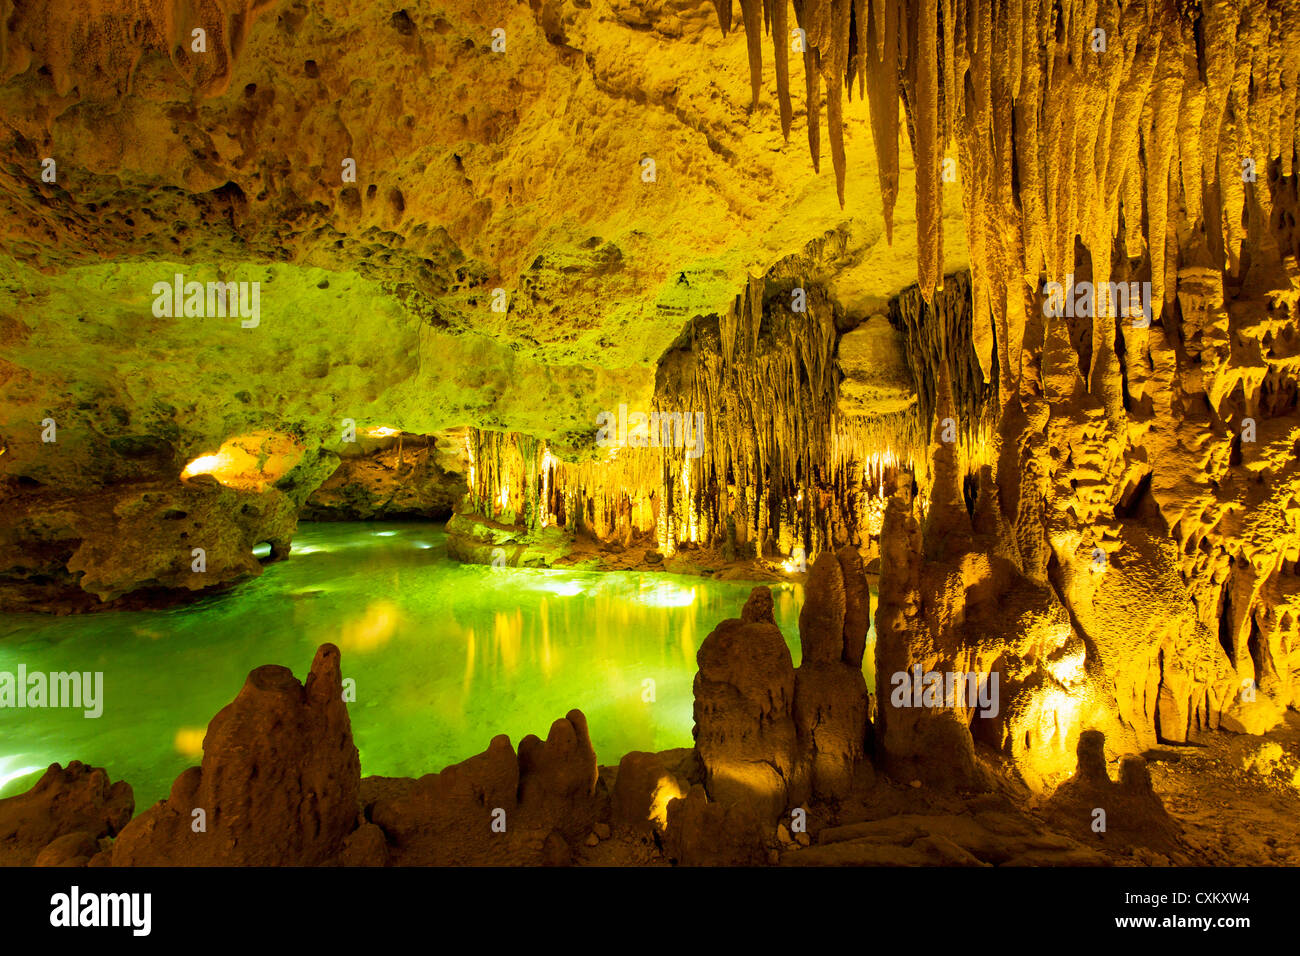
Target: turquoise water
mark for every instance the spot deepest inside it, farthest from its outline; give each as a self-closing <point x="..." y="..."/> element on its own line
<point x="444" y="656"/>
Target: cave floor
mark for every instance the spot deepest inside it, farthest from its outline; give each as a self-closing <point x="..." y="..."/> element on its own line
<point x="1237" y="798"/>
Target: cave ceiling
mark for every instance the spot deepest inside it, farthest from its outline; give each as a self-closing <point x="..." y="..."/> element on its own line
<point x="476" y="170"/>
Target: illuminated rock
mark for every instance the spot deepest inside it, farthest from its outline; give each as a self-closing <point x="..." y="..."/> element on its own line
<point x="702" y="832"/>
<point x="744" y="731"/>
<point x="877" y="380"/>
<point x="830" y="692"/>
<point x="642" y="791"/>
<point x="402" y="477"/>
<point x="1103" y="812"/>
<point x="137" y="542"/>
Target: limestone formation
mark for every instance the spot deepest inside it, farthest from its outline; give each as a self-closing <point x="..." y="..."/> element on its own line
<point x="136" y="543"/>
<point x="704" y="832"/>
<point x="642" y="791"/>
<point x="744" y="729"/>
<point x="278" y="785"/>
<point x="557" y="779"/>
<point x="447" y="817"/>
<point x="1102" y="811"/>
<point x="1027" y="344"/>
<point x="496" y="807"/>
<point x="60" y="819"/>
<point x="401" y="477"/>
<point x="830" y="692"/>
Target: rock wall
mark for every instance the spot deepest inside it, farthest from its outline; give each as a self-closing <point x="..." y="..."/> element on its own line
<point x="132" y="156"/>
<point x="403" y="477"/>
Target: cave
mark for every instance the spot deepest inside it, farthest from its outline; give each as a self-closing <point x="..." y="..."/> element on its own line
<point x="615" y="434"/>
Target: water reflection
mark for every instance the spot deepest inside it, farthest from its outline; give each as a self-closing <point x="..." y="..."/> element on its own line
<point x="443" y="656"/>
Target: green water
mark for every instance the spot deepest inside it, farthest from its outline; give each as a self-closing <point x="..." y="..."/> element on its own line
<point x="444" y="657"/>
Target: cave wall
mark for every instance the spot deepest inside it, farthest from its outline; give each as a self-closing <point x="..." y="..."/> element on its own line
<point x="476" y="171"/>
<point x="1122" y="562"/>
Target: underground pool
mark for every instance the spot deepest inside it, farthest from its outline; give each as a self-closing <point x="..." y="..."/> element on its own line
<point x="441" y="656"/>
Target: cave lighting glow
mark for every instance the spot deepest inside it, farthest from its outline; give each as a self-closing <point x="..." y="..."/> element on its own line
<point x="8" y="770"/>
<point x="796" y="563"/>
<point x="204" y="465"/>
<point x="563" y="588"/>
<point x="666" y="594"/>
<point x="248" y="462"/>
<point x="188" y="741"/>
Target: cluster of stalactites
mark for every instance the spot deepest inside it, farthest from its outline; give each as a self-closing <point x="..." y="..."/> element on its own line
<point x="937" y="337"/>
<point x="780" y="467"/>
<point x="746" y="448"/>
<point x="1088" y="120"/>
<point x="516" y="479"/>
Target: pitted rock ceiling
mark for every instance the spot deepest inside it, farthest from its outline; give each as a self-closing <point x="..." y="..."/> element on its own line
<point x="475" y="170"/>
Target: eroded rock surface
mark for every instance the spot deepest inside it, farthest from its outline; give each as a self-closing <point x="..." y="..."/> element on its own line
<point x="497" y="807"/>
<point x="744" y="727"/>
<point x="830" y="692"/>
<point x="61" y="819"/>
<point x="279" y="783"/>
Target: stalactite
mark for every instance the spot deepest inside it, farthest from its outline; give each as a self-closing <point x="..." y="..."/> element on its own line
<point x="882" y="97"/>
<point x="781" y="57"/>
<point x="1058" y="149"/>
<point x="724" y="15"/>
<point x="861" y="16"/>
<point x="938" y="333"/>
<point x="927" y="148"/>
<point x="837" y="64"/>
<point x="804" y="14"/>
<point x="751" y="12"/>
<point x="777" y="464"/>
